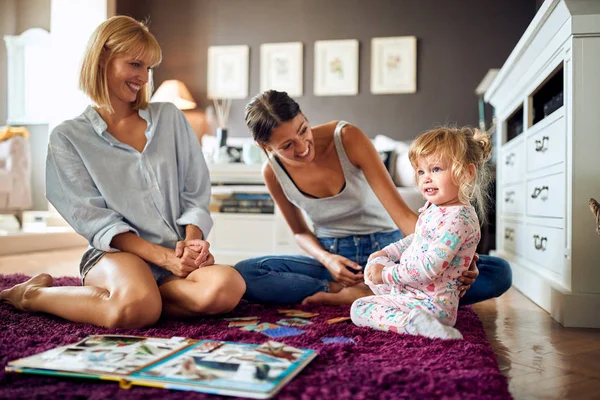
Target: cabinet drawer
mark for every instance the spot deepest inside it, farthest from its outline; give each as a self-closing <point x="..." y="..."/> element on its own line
<point x="513" y="199"/>
<point x="514" y="236"/>
<point x="547" y="147"/>
<point x="546" y="247"/>
<point x="513" y="164"/>
<point x="546" y="196"/>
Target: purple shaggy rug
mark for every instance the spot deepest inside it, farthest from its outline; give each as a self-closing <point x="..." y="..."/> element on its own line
<point x="380" y="365"/>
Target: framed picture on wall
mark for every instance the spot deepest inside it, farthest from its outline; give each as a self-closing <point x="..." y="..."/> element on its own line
<point x="228" y="72"/>
<point x="281" y="67"/>
<point x="394" y="65"/>
<point x="336" y="68"/>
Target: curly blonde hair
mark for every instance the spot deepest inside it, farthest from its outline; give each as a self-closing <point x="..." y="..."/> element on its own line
<point x="460" y="147"/>
<point x="115" y="36"/>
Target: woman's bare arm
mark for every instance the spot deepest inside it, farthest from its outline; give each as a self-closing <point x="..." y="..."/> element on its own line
<point x="363" y="155"/>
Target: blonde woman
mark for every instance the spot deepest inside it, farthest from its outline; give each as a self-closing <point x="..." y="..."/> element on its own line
<point x="129" y="176"/>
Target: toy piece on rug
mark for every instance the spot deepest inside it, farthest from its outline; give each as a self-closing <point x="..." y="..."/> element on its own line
<point x="294" y="322"/>
<point x="260" y="327"/>
<point x="297" y="313"/>
<point x="337" y="319"/>
<point x="238" y="324"/>
<point x="242" y="319"/>
<point x="282" y="332"/>
<point x="337" y="339"/>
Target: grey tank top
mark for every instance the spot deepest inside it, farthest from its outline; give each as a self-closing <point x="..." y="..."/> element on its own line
<point x="354" y="211"/>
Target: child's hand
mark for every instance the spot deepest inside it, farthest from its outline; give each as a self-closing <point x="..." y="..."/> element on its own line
<point x="374" y="273"/>
<point x="380" y="253"/>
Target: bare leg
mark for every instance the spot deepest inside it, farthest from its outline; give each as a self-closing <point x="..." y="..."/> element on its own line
<point x="119" y="291"/>
<point x="206" y="291"/>
<point x="344" y="296"/>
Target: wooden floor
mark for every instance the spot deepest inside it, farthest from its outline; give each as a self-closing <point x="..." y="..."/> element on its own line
<point x="541" y="359"/>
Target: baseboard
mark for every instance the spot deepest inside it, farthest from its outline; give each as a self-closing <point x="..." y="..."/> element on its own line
<point x="571" y="310"/>
<point x="52" y="239"/>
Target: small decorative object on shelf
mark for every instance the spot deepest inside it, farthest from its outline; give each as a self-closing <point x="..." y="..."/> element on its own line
<point x="222" y="108"/>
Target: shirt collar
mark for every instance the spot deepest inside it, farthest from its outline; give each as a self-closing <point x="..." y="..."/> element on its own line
<point x="426" y="206"/>
<point x="95" y="119"/>
<point x="100" y="126"/>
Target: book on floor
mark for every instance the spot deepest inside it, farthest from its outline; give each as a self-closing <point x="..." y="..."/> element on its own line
<point x="208" y="366"/>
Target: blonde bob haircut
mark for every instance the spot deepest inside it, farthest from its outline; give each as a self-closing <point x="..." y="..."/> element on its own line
<point x="459" y="147"/>
<point x="117" y="36"/>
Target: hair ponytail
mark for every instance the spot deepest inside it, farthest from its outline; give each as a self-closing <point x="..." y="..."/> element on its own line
<point x="485" y="142"/>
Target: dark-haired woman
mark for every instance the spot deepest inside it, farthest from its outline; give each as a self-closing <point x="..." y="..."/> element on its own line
<point x="333" y="173"/>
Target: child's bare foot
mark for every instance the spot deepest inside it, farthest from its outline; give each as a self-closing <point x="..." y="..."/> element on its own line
<point x="343" y="296"/>
<point x="19" y="294"/>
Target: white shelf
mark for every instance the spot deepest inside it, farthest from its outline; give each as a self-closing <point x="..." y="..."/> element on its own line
<point x="236" y="173"/>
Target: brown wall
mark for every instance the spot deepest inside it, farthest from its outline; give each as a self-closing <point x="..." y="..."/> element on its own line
<point x="33" y="14"/>
<point x="458" y="41"/>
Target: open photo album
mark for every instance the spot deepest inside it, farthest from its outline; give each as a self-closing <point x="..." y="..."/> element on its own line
<point x="209" y="366"/>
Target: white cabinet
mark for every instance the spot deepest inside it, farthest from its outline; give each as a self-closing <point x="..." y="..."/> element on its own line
<point x="238" y="236"/>
<point x="547" y="102"/>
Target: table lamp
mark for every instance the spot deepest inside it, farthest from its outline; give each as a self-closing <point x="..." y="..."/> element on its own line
<point x="174" y="91"/>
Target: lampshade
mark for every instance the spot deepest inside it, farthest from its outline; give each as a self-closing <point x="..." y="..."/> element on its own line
<point x="174" y="91"/>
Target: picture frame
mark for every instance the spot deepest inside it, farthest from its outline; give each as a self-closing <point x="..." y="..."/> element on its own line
<point x="281" y="67"/>
<point x="336" y="68"/>
<point x="228" y="72"/>
<point x="394" y="65"/>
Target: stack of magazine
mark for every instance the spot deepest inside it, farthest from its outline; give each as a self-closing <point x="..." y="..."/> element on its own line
<point x="209" y="366"/>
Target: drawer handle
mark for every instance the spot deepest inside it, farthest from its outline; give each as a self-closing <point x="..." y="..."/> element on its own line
<point x="538" y="191"/>
<point x="509" y="234"/>
<point x="509" y="197"/>
<point x="509" y="159"/>
<point x="540" y="242"/>
<point x="540" y="145"/>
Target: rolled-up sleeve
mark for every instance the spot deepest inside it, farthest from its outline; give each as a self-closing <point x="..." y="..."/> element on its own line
<point x="195" y="194"/>
<point x="71" y="190"/>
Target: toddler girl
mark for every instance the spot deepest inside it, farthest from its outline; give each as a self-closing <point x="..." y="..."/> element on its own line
<point x="415" y="279"/>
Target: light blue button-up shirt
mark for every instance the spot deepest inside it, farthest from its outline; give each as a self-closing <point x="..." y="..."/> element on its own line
<point x="103" y="187"/>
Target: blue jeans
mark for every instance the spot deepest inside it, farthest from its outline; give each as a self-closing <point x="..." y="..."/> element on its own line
<point x="289" y="279"/>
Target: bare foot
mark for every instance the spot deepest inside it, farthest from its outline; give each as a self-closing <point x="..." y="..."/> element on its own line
<point x="19" y="294"/>
<point x="344" y="296"/>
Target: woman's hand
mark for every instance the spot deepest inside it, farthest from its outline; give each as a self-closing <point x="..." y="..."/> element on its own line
<point x="176" y="265"/>
<point x="374" y="274"/>
<point x="468" y="277"/>
<point x="337" y="266"/>
<point x="194" y="253"/>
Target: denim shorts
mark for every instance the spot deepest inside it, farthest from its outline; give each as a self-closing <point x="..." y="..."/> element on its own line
<point x="92" y="256"/>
